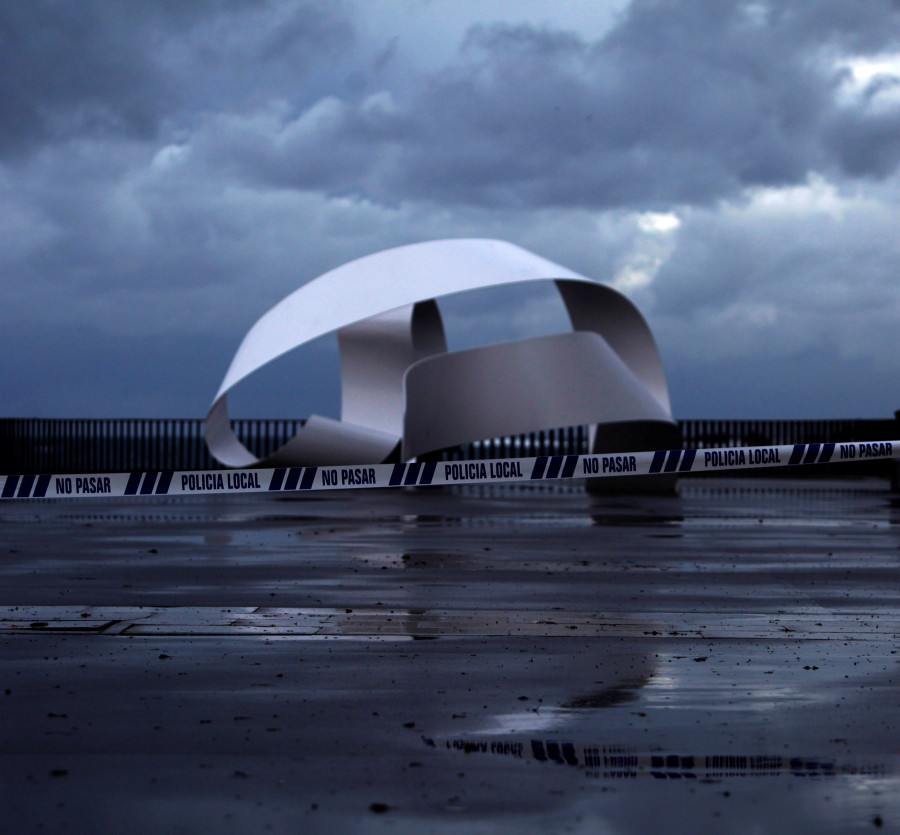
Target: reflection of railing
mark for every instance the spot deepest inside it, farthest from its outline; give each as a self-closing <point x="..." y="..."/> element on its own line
<point x="623" y="762"/>
<point x="32" y="445"/>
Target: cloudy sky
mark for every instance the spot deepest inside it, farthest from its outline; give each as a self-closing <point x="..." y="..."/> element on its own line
<point x="170" y="170"/>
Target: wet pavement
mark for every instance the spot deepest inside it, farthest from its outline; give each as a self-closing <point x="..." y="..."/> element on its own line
<point x="475" y="659"/>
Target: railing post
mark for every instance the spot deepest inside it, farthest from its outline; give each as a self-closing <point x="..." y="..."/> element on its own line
<point x="895" y="464"/>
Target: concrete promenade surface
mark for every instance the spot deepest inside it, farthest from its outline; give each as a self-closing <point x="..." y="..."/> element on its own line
<point x="487" y="659"/>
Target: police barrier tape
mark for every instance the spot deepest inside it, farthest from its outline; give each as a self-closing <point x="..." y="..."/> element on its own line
<point x="418" y="474"/>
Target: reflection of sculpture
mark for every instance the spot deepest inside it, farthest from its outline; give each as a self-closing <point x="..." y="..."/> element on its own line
<point x="404" y="394"/>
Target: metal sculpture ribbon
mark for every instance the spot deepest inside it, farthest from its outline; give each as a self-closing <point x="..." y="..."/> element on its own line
<point x="405" y="397"/>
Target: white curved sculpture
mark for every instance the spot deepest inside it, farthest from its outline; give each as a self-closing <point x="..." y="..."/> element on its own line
<point x="404" y="394"/>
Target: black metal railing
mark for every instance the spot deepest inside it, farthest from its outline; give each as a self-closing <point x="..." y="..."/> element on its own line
<point x="700" y="434"/>
<point x="567" y="440"/>
<point x="85" y="445"/>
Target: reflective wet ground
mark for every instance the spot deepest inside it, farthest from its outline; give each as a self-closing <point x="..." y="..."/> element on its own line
<point x="478" y="660"/>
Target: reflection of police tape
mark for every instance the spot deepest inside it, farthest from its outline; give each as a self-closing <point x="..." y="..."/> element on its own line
<point x="421" y="473"/>
<point x="612" y="762"/>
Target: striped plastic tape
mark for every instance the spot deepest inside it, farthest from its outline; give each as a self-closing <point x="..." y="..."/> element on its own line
<point x="418" y="474"/>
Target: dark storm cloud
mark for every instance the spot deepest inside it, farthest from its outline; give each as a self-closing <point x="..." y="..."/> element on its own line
<point x="681" y="103"/>
<point x="105" y="67"/>
<point x="66" y="67"/>
<point x="867" y="145"/>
